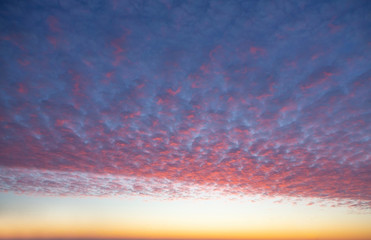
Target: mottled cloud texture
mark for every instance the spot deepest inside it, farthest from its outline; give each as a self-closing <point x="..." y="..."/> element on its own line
<point x="246" y="97"/>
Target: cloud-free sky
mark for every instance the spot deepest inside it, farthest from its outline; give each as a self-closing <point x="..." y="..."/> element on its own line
<point x="228" y="119"/>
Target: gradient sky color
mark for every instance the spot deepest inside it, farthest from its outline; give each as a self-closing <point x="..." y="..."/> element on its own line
<point x="204" y="113"/>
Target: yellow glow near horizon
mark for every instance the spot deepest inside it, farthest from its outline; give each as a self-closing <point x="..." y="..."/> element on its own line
<point x="148" y="218"/>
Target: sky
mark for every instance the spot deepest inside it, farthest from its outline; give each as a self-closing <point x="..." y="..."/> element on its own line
<point x="185" y="119"/>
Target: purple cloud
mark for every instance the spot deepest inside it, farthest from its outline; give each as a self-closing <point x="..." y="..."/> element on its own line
<point x="249" y="97"/>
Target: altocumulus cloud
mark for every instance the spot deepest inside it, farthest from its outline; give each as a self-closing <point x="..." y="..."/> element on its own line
<point x="172" y="97"/>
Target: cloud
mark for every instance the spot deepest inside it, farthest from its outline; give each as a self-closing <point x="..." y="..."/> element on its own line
<point x="198" y="93"/>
